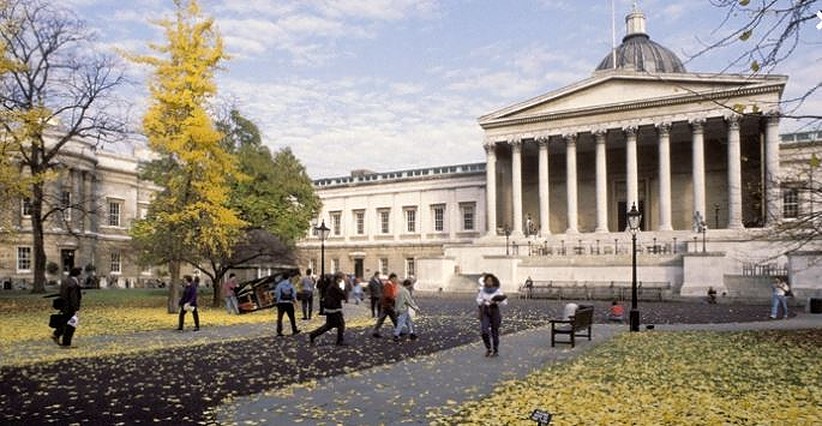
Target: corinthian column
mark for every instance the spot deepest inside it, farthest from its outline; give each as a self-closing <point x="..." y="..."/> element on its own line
<point x="516" y="182"/>
<point x="698" y="165"/>
<point x="601" y="182"/>
<point x="734" y="174"/>
<point x="544" y="203"/>
<point x="664" y="176"/>
<point x="571" y="181"/>
<point x="772" y="186"/>
<point x="491" y="187"/>
<point x="631" y="167"/>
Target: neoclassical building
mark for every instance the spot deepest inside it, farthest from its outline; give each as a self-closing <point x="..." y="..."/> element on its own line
<point x="692" y="151"/>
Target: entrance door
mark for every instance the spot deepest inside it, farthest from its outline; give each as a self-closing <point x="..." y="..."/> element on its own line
<point x="358" y="268"/>
<point x="67" y="258"/>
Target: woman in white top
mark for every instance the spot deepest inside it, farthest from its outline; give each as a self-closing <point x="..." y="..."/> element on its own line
<point x="489" y="299"/>
<point x="779" y="290"/>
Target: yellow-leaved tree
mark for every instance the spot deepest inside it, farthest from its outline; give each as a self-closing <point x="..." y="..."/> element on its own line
<point x="190" y="218"/>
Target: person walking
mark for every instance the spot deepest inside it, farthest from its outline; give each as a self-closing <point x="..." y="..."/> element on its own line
<point x="403" y="305"/>
<point x="286" y="298"/>
<point x="229" y="296"/>
<point x="188" y="303"/>
<point x="334" y="296"/>
<point x="71" y="295"/>
<point x="356" y="291"/>
<point x="779" y="290"/>
<point x="375" y="293"/>
<point x="489" y="299"/>
<point x="307" y="296"/>
<point x="389" y="295"/>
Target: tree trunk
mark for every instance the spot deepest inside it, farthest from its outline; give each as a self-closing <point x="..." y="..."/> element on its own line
<point x="39" y="255"/>
<point x="218" y="287"/>
<point x="174" y="287"/>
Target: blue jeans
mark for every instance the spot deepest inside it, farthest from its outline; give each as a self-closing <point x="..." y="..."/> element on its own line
<point x="777" y="300"/>
<point x="231" y="304"/>
<point x="404" y="320"/>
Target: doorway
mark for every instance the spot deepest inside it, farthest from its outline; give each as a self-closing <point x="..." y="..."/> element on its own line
<point x="67" y="259"/>
<point x="622" y="215"/>
<point x="358" y="268"/>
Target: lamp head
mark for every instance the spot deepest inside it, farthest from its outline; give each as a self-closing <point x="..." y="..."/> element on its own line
<point x="634" y="218"/>
<point x="322" y="230"/>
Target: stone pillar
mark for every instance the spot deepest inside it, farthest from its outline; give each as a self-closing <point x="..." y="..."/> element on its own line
<point x="491" y="187"/>
<point x="664" y="176"/>
<point x="516" y="182"/>
<point x="544" y="203"/>
<point x="571" y="181"/>
<point x="773" y="190"/>
<point x="698" y="166"/>
<point x="601" y="181"/>
<point x="631" y="170"/>
<point x="734" y="174"/>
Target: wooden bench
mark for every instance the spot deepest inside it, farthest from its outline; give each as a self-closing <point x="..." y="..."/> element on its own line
<point x="578" y="325"/>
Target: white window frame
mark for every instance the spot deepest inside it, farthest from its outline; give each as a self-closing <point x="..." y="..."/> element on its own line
<point x="410" y="267"/>
<point x="24" y="258"/>
<point x="116" y="263"/>
<point x="359" y="222"/>
<point x="335" y="265"/>
<point x="25" y="207"/>
<point x="438" y="217"/>
<point x="65" y="204"/>
<point x="336" y="223"/>
<point x="385" y="220"/>
<point x="115" y="221"/>
<point x="383" y="264"/>
<point x="467" y="209"/>
<point x="410" y="214"/>
<point x="790" y="202"/>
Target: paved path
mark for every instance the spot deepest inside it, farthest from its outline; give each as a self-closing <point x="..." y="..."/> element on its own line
<point x="404" y="392"/>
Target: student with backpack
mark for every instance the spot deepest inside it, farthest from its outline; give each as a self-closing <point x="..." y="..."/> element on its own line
<point x="389" y="295"/>
<point x="286" y="296"/>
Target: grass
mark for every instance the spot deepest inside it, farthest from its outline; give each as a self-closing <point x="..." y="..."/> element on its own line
<point x="713" y="378"/>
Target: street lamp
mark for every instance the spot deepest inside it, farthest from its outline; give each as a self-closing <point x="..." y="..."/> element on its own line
<point x="716" y="215"/>
<point x="634" y="218"/>
<point x="322" y="232"/>
<point x="507" y="231"/>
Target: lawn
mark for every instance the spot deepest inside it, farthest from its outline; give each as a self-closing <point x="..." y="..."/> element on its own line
<point x="762" y="378"/>
<point x="109" y="312"/>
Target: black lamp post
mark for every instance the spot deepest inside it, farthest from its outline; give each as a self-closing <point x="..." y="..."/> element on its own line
<point x="507" y="231"/>
<point x="322" y="232"/>
<point x="634" y="218"/>
<point x="716" y="215"/>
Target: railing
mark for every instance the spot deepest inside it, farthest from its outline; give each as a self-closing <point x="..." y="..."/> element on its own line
<point x="599" y="247"/>
<point x="594" y="290"/>
<point x="764" y="270"/>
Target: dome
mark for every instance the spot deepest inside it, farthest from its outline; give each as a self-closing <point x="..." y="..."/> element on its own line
<point x="638" y="53"/>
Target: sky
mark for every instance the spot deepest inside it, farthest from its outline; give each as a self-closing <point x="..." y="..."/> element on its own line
<point x="397" y="84"/>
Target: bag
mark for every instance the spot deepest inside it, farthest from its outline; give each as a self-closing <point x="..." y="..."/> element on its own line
<point x="788" y="292"/>
<point x="188" y="307"/>
<point x="286" y="294"/>
<point x="58" y="303"/>
<point x="73" y="321"/>
<point x="56" y="321"/>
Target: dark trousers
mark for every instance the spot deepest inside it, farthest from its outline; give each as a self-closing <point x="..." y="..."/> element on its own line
<point x="332" y="320"/>
<point x="64" y="330"/>
<point x="182" y="318"/>
<point x="308" y="304"/>
<point x="285" y="308"/>
<point x="385" y="312"/>
<point x="489" y="327"/>
<point x="375" y="307"/>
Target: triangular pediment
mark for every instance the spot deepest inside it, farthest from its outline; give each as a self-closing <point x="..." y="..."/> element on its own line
<point x="608" y="90"/>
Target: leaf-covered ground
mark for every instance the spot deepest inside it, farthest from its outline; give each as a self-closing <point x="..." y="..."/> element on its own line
<point x="180" y="383"/>
<point x="756" y="378"/>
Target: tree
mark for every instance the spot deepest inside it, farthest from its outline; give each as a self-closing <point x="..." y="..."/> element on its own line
<point x="769" y="34"/>
<point x="190" y="218"/>
<point x="59" y="89"/>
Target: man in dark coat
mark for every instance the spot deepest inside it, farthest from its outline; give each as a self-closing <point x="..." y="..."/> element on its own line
<point x="375" y="293"/>
<point x="334" y="296"/>
<point x="71" y="296"/>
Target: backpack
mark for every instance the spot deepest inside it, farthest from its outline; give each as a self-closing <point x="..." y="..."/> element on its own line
<point x="287" y="294"/>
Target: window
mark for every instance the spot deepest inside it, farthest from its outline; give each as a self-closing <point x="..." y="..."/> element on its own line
<point x="790" y="203"/>
<point x="359" y="221"/>
<point x="467" y="210"/>
<point x="438" y="211"/>
<point x="384" y="266"/>
<point x="146" y="270"/>
<point x="410" y="267"/>
<point x="115" y="265"/>
<point x="114" y="208"/>
<point x="25" y="207"/>
<point x="385" y="217"/>
<point x="335" y="266"/>
<point x="23" y="259"/>
<point x="336" y="226"/>
<point x="65" y="205"/>
<point x="142" y="211"/>
<point x="410" y="220"/>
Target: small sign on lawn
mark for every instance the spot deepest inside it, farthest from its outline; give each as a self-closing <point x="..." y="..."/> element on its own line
<point x="543" y="418"/>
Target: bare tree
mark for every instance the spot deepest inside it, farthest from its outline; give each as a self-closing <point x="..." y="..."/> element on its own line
<point x="62" y="92"/>
<point x="770" y="32"/>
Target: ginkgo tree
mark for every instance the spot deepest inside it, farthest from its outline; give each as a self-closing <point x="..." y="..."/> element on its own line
<point x="190" y="217"/>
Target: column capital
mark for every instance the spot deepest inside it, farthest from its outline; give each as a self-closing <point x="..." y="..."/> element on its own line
<point x="490" y="147"/>
<point x="542" y="141"/>
<point x="773" y="117"/>
<point x="630" y="130"/>
<point x="570" y="138"/>
<point x="664" y="128"/>
<point x="697" y="124"/>
<point x="733" y="121"/>
<point x="599" y="135"/>
<point x="516" y="143"/>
